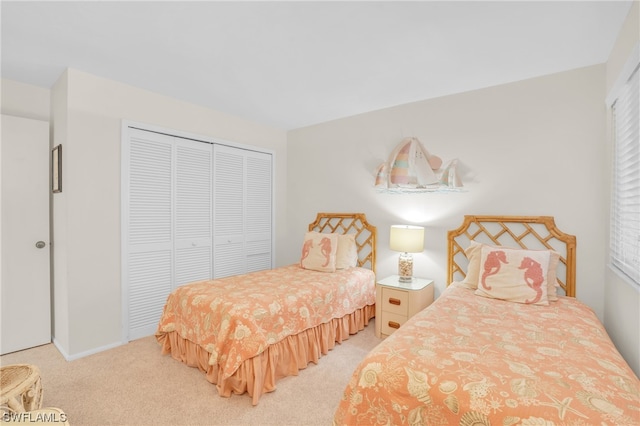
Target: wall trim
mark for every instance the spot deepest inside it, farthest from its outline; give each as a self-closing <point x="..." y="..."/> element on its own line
<point x="85" y="353"/>
<point x="192" y="136"/>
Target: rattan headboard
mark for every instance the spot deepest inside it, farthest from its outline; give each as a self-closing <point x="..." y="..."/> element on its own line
<point x="351" y="223"/>
<point x="530" y="232"/>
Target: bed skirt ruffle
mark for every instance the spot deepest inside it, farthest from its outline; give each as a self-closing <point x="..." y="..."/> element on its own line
<point x="258" y="375"/>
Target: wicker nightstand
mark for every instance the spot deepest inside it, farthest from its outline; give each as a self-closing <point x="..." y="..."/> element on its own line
<point x="396" y="302"/>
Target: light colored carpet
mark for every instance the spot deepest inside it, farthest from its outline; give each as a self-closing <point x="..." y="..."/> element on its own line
<point x="135" y="385"/>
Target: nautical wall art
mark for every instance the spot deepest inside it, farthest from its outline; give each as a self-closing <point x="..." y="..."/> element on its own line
<point x="411" y="168"/>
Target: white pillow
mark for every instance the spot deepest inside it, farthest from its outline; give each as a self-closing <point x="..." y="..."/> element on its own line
<point x="347" y="254"/>
<point x="319" y="252"/>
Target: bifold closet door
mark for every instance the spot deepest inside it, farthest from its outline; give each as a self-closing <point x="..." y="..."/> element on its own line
<point x="193" y="212"/>
<point x="148" y="264"/>
<point x="242" y="211"/>
<point x="258" y="222"/>
<point x="169" y="238"/>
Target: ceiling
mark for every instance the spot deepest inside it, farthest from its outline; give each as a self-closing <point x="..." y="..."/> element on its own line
<point x="296" y="63"/>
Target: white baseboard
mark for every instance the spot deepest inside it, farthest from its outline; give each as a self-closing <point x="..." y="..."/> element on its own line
<point x="86" y="353"/>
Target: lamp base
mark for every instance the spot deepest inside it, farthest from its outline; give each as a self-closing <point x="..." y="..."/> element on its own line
<point x="405" y="268"/>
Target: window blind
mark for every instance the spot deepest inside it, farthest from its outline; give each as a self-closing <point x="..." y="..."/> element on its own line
<point x="625" y="201"/>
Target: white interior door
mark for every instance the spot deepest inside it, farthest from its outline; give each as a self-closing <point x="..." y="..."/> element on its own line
<point x="25" y="295"/>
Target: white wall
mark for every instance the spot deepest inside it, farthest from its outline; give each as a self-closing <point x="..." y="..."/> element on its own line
<point x="622" y="299"/>
<point x="87" y="114"/>
<point x="59" y="222"/>
<point x="25" y="100"/>
<point x="533" y="147"/>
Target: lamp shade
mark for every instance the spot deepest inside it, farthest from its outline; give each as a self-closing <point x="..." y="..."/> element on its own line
<point x="407" y="238"/>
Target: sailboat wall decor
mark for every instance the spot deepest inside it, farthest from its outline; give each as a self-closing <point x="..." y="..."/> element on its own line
<point x="411" y="168"/>
<point x="450" y="177"/>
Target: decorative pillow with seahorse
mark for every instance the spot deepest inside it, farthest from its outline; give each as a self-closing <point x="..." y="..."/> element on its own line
<point x="474" y="252"/>
<point x="514" y="275"/>
<point x="319" y="251"/>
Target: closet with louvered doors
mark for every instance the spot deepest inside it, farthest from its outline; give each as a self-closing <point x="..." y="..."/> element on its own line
<point x="191" y="210"/>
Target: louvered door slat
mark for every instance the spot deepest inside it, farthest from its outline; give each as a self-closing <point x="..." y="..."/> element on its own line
<point x="229" y="259"/>
<point x="258" y="231"/>
<point x="228" y="190"/>
<point x="149" y="286"/>
<point x="193" y="211"/>
<point x="149" y="191"/>
<point x="193" y="264"/>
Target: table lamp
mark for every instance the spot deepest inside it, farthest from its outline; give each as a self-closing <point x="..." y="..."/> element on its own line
<point x="406" y="239"/>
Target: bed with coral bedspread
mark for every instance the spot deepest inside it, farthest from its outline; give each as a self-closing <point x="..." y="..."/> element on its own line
<point x="474" y="359"/>
<point x="246" y="331"/>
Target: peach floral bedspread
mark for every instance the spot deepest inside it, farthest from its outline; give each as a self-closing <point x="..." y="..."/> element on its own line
<point x="470" y="360"/>
<point x="236" y="318"/>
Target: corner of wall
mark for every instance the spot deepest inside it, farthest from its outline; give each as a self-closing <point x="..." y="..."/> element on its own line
<point x="58" y="229"/>
<point x="622" y="300"/>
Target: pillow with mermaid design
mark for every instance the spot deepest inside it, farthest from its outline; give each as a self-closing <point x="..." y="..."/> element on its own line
<point x="319" y="251"/>
<point x="514" y="275"/>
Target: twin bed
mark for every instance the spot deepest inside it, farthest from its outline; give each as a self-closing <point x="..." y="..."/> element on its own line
<point x="247" y="331"/>
<point x="506" y="343"/>
<point x="501" y="346"/>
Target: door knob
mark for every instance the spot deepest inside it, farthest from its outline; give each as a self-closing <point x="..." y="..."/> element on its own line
<point x="40" y="244"/>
